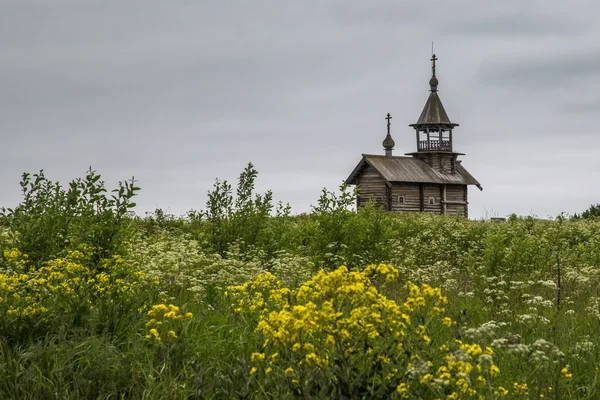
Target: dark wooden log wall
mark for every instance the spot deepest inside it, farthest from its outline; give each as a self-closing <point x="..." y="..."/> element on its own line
<point x="432" y="190"/>
<point x="441" y="162"/>
<point x="372" y="185"/>
<point x="466" y="189"/>
<point x="456" y="202"/>
<point x="446" y="164"/>
<point x="449" y="198"/>
<point x="412" y="198"/>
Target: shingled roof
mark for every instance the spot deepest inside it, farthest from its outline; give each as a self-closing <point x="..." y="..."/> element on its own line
<point x="411" y="169"/>
<point x="434" y="113"/>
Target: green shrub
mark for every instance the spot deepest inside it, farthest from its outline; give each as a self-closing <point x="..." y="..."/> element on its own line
<point x="51" y="220"/>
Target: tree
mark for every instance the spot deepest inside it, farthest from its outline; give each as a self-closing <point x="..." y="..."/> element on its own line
<point x="592" y="212"/>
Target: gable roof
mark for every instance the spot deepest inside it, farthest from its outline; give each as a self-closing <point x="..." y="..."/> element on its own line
<point x="411" y="169"/>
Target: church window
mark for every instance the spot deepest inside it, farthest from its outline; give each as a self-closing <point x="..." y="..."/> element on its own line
<point x="401" y="199"/>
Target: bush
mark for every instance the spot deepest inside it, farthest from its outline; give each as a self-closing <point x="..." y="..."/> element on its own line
<point x="241" y="218"/>
<point x="51" y="220"/>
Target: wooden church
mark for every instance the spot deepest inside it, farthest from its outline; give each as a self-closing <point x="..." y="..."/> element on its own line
<point x="430" y="180"/>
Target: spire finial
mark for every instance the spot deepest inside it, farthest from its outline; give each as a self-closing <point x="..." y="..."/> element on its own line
<point x="388" y="142"/>
<point x="389" y="117"/>
<point x="433" y="82"/>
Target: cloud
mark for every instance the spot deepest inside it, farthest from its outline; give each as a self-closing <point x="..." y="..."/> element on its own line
<point x="552" y="70"/>
<point x="516" y="25"/>
<point x="591" y="107"/>
<point x="179" y="93"/>
<point x="383" y="13"/>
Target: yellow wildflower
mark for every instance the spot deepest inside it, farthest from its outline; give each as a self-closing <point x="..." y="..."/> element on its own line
<point x="494" y="370"/>
<point x="566" y="373"/>
<point x="501" y="391"/>
<point x="402" y="388"/>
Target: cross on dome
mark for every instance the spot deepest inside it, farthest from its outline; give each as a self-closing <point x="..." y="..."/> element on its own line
<point x="433" y="82"/>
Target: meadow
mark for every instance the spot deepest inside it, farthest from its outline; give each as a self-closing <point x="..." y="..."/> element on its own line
<point x="241" y="299"/>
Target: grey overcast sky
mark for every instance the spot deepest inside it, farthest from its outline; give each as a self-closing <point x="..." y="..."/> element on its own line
<point x="180" y="92"/>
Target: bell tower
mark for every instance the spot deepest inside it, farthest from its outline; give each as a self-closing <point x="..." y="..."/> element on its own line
<point x="434" y="131"/>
